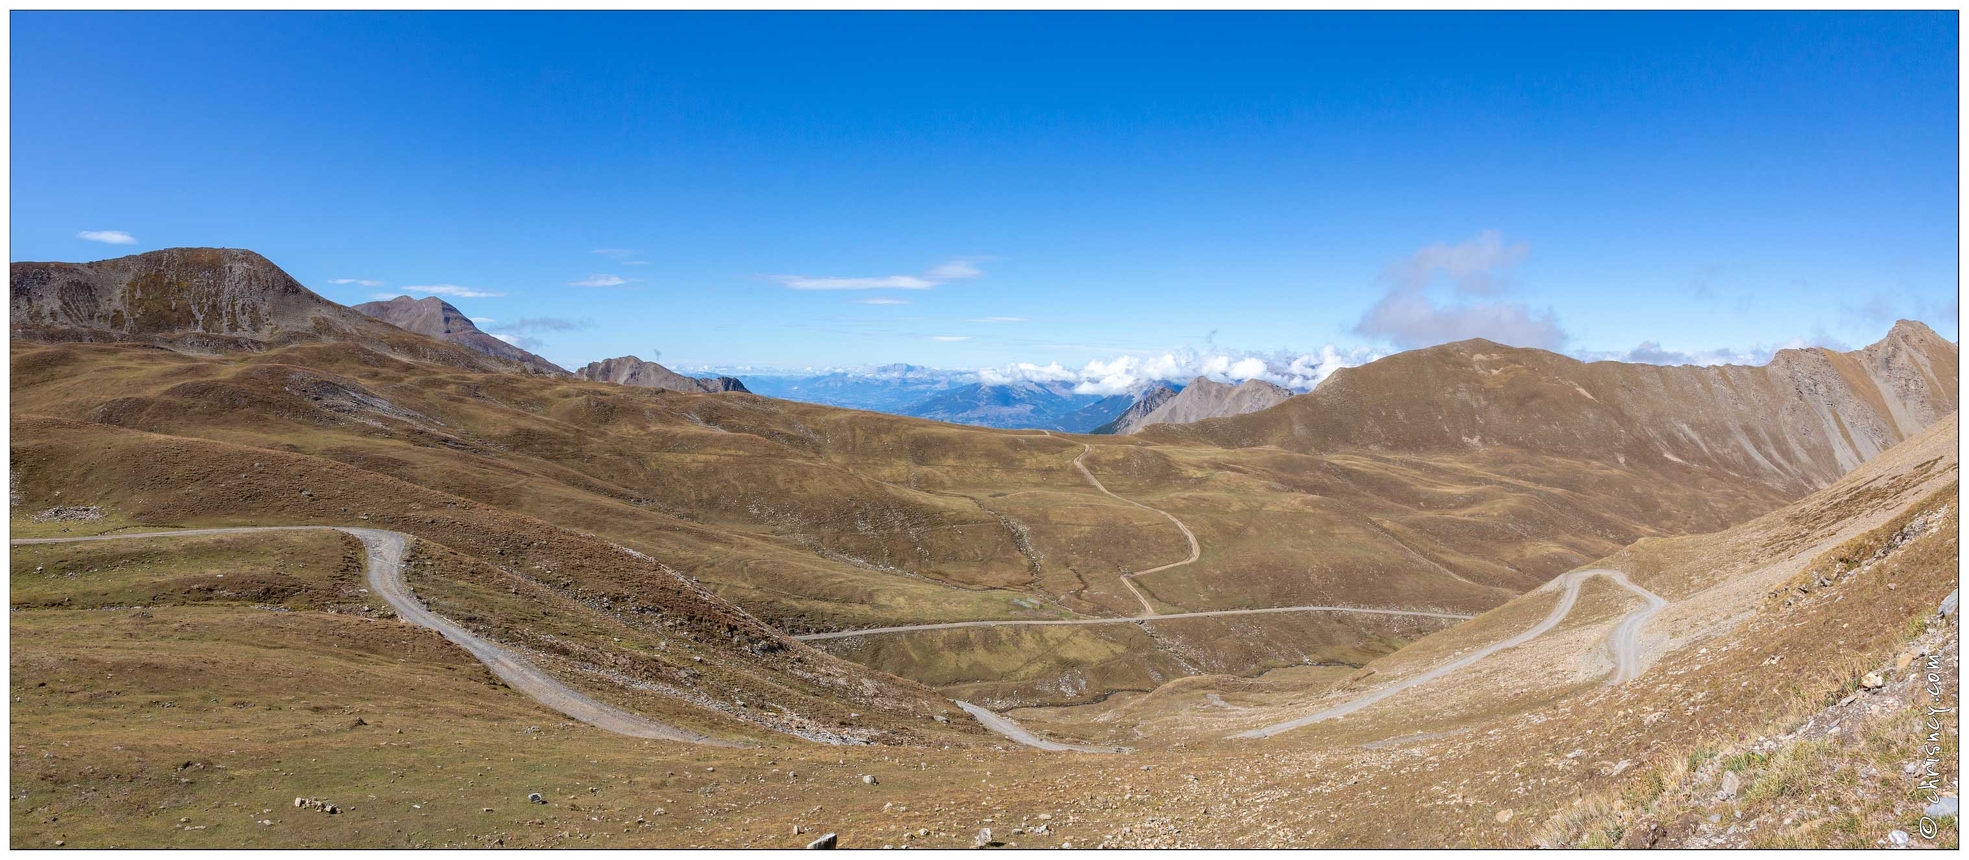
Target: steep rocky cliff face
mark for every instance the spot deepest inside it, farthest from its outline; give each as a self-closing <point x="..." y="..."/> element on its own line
<point x="200" y="300"/>
<point x="434" y="317"/>
<point x="1130" y="419"/>
<point x="1795" y="424"/>
<point x="630" y="370"/>
<point x="1203" y="398"/>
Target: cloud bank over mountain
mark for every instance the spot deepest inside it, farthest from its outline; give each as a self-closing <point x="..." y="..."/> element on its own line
<point x="1445" y="293"/>
<point x="1124" y="374"/>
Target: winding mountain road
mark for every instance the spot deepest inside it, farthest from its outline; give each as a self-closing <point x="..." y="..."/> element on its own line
<point x="1132" y="619"/>
<point x="385" y="573"/>
<point x="1148" y="612"/>
<point x="1128" y="579"/>
<point x="1624" y="639"/>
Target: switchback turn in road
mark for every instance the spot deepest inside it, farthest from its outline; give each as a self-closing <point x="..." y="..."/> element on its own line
<point x="1624" y="640"/>
<point x="1148" y="612"/>
<point x="1128" y="579"/>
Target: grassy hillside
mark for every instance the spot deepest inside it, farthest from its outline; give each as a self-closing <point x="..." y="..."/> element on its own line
<point x="184" y="723"/>
<point x="813" y="518"/>
<point x="140" y="677"/>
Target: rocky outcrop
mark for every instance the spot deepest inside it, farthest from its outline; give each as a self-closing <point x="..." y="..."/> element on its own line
<point x="202" y="300"/>
<point x="1795" y="424"/>
<point x="1202" y="399"/>
<point x="435" y="317"/>
<point x="1130" y="419"/>
<point x="191" y="297"/>
<point x="630" y="370"/>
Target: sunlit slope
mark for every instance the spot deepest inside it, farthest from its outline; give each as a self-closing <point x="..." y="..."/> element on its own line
<point x="625" y="628"/>
<point x="815" y="518"/>
<point x="1715" y="584"/>
<point x="1794" y="425"/>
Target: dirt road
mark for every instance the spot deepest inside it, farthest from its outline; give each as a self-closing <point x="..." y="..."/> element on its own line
<point x="1005" y="726"/>
<point x="1624" y="640"/>
<point x="1128" y="579"/>
<point x="1137" y="619"/>
<point x="385" y="573"/>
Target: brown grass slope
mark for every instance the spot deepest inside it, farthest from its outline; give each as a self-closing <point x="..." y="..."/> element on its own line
<point x="816" y="518"/>
<point x="1713" y="582"/>
<point x="593" y="610"/>
<point x="187" y="724"/>
<point x="1754" y="664"/>
<point x="1794" y="425"/>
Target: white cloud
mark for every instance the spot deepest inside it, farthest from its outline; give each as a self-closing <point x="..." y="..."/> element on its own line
<point x="956" y="270"/>
<point x="1297" y="371"/>
<point x="999" y="319"/>
<point x="1409" y="316"/>
<point x="452" y="290"/>
<point x="951" y="271"/>
<point x="601" y="281"/>
<point x="893" y="282"/>
<point x="880" y="301"/>
<point x="949" y="338"/>
<point x="483" y="319"/>
<point x="520" y="340"/>
<point x="1477" y="267"/>
<point x="112" y="237"/>
<point x="356" y="281"/>
<point x="532" y="324"/>
<point x="615" y="252"/>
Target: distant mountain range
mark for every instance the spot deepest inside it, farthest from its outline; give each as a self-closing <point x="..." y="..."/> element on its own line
<point x="888" y="388"/>
<point x="1034" y="405"/>
<point x="963" y="397"/>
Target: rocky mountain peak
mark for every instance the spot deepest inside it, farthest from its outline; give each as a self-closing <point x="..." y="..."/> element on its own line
<point x="630" y="370"/>
<point x="435" y="317"/>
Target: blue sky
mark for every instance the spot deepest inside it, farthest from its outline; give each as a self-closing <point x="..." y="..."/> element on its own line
<point x="972" y="190"/>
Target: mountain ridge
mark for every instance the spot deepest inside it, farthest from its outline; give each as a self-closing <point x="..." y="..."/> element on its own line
<point x="1796" y="423"/>
<point x="202" y="301"/>
<point x="435" y="317"/>
<point x="1147" y="402"/>
<point x="630" y="370"/>
<point x="1206" y="398"/>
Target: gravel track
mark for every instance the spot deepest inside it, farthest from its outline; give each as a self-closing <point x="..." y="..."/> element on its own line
<point x="385" y="573"/>
<point x="1624" y="639"/>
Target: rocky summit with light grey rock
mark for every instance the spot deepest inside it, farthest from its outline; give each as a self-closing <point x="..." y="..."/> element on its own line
<point x="630" y="370"/>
